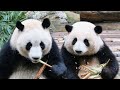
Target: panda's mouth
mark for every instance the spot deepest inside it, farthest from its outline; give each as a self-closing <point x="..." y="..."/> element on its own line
<point x="78" y="52"/>
<point x="35" y="61"/>
<point x="42" y="62"/>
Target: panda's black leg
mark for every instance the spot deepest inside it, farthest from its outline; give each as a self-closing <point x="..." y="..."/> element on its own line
<point x="110" y="71"/>
<point x="6" y="61"/>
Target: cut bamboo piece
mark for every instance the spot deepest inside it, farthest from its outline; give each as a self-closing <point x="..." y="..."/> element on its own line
<point x="45" y="63"/>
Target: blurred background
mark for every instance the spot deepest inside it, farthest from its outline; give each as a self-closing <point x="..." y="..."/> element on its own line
<point x="109" y="20"/>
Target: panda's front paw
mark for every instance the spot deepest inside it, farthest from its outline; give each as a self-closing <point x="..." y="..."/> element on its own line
<point x="59" y="69"/>
<point x="107" y="73"/>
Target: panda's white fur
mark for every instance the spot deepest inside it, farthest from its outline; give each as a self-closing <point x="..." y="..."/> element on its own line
<point x="33" y="32"/>
<point x="83" y="30"/>
<point x="24" y="73"/>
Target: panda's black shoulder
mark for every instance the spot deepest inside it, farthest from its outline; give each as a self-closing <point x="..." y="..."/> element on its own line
<point x="105" y="53"/>
<point x="7" y="60"/>
<point x="105" y="50"/>
<point x="7" y="49"/>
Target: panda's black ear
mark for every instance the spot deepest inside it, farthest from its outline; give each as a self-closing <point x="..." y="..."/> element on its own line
<point x="98" y="29"/>
<point x="46" y="23"/>
<point x="19" y="25"/>
<point x="68" y="28"/>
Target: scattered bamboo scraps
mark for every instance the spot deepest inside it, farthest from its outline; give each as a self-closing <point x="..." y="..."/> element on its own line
<point x="91" y="72"/>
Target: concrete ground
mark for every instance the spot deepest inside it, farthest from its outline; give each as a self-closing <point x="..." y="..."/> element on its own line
<point x="111" y="37"/>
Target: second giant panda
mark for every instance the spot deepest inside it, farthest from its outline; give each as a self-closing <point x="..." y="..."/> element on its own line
<point x="83" y="45"/>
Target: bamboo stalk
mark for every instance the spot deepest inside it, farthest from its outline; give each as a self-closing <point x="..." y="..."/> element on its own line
<point x="40" y="72"/>
<point x="87" y="76"/>
<point x="103" y="65"/>
<point x="89" y="69"/>
<point x="45" y="63"/>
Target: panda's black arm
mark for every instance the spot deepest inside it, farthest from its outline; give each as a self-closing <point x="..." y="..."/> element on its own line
<point x="70" y="63"/>
<point x="55" y="59"/>
<point x="110" y="71"/>
<point x="6" y="61"/>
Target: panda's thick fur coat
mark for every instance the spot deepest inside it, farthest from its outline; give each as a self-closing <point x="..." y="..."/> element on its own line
<point x="99" y="52"/>
<point x="14" y="64"/>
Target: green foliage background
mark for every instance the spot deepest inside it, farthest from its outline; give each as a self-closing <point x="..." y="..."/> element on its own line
<point x="8" y="20"/>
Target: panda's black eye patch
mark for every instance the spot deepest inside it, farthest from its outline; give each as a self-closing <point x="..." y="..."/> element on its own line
<point x="28" y="46"/>
<point x="74" y="41"/>
<point x="86" y="42"/>
<point x="42" y="45"/>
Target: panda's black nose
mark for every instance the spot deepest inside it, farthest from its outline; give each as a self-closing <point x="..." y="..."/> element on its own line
<point x="35" y="58"/>
<point x="78" y="51"/>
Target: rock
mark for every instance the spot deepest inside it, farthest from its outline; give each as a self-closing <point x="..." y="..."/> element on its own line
<point x="62" y="16"/>
<point x="72" y="17"/>
<point x="58" y="18"/>
<point x="78" y="12"/>
<point x="100" y="16"/>
<point x="37" y="14"/>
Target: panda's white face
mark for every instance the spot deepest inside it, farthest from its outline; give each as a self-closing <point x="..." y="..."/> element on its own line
<point x="83" y="40"/>
<point x="33" y="42"/>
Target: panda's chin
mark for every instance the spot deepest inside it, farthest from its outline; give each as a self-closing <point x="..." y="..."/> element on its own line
<point x="33" y="61"/>
<point x="80" y="54"/>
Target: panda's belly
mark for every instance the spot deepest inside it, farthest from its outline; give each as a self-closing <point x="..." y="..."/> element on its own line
<point x="86" y="66"/>
<point x="23" y="72"/>
<point x="89" y="61"/>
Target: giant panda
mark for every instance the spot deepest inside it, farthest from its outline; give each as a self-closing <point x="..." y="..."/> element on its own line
<point x="83" y="45"/>
<point x="30" y="42"/>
